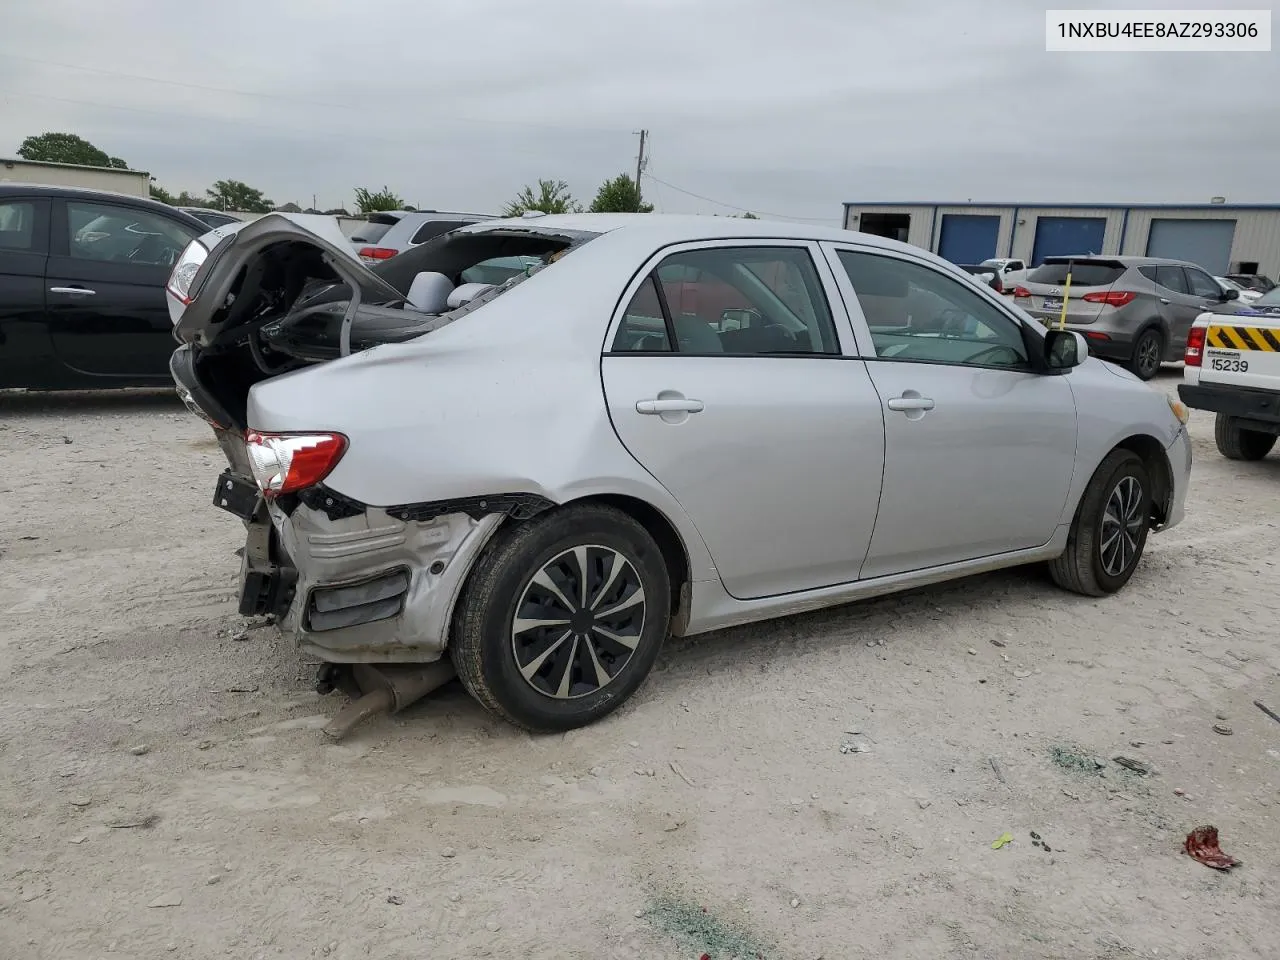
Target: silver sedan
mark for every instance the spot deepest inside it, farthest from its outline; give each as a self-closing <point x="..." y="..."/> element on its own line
<point x="663" y="425"/>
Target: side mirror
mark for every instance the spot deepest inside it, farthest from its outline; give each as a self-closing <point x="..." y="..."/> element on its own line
<point x="737" y="318"/>
<point x="1230" y="293"/>
<point x="1064" y="349"/>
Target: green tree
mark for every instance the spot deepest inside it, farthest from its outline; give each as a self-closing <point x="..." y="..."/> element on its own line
<point x="552" y="197"/>
<point x="67" y="148"/>
<point x="160" y="193"/>
<point x="185" y="199"/>
<point x="749" y="216"/>
<point x="337" y="212"/>
<point x="236" y="195"/>
<point x="368" y="202"/>
<point x="619" y="195"/>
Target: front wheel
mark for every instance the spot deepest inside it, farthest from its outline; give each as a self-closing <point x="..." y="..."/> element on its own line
<point x="1109" y="530"/>
<point x="562" y="618"/>
<point x="1236" y="443"/>
<point x="1148" y="353"/>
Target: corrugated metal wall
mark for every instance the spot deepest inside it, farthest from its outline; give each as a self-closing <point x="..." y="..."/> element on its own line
<point x="133" y="182"/>
<point x="921" y="227"/>
<point x="1257" y="235"/>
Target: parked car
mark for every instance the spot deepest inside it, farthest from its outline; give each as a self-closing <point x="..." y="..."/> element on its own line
<point x="1253" y="281"/>
<point x="1243" y="294"/>
<point x="82" y="275"/>
<point x="210" y="218"/>
<point x="1012" y="272"/>
<point x="1233" y="370"/>
<point x="544" y="478"/>
<point x="984" y="274"/>
<point x="393" y="232"/>
<point x="1133" y="310"/>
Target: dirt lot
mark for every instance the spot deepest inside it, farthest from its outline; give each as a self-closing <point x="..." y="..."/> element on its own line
<point x="166" y="791"/>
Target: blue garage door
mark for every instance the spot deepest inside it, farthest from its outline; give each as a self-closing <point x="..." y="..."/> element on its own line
<point x="1066" y="236"/>
<point x="1204" y="242"/>
<point x="968" y="239"/>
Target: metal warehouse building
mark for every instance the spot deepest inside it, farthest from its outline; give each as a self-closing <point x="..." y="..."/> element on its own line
<point x="1221" y="237"/>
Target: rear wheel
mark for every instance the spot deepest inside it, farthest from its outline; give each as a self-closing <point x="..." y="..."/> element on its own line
<point x="1109" y="530"/>
<point x="563" y="618"/>
<point x="1237" y="443"/>
<point x="1148" y="352"/>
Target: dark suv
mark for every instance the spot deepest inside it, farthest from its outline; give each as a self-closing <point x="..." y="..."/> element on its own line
<point x="82" y="275"/>
<point x="1135" y="310"/>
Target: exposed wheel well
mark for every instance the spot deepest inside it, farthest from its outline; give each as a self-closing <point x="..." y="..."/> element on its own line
<point x="1153" y="456"/>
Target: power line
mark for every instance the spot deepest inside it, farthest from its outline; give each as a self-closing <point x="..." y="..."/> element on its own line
<point x="733" y="206"/>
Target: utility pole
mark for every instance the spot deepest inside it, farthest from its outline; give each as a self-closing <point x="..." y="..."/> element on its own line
<point x="640" y="163"/>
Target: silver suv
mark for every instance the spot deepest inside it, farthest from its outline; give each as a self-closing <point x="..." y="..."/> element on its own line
<point x="385" y="234"/>
<point x="1134" y="310"/>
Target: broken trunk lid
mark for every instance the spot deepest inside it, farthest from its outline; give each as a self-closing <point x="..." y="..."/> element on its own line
<point x="236" y="247"/>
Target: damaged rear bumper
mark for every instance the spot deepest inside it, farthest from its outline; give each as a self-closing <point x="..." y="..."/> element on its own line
<point x="351" y="583"/>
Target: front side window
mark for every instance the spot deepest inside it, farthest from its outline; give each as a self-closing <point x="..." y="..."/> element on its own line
<point x="1203" y="285"/>
<point x="916" y="313"/>
<point x="101" y="231"/>
<point x="755" y="301"/>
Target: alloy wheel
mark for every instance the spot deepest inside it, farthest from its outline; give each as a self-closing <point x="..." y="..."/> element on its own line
<point x="1149" y="354"/>
<point x="1122" y="522"/>
<point x="578" y="622"/>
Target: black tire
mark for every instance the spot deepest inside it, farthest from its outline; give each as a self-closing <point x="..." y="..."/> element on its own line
<point x="484" y="642"/>
<point x="1237" y="443"/>
<point x="1087" y="566"/>
<point x="1149" y="345"/>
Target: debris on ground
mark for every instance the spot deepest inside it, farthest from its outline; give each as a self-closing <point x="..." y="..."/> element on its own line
<point x="675" y="768"/>
<point x="700" y="930"/>
<point x="139" y="750"/>
<point x="1222" y="729"/>
<point x="1002" y="841"/>
<point x="1039" y="841"/>
<point x="1267" y="710"/>
<point x="1070" y="759"/>
<point x="854" y="748"/>
<point x="1139" y="767"/>
<point x="1202" y="844"/>
<point x="998" y="769"/>
<point x="395" y="900"/>
<point x="141" y="822"/>
<point x="166" y="900"/>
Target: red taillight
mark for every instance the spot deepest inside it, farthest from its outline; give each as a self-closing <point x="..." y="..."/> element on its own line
<point x="1195" y="346"/>
<point x="1021" y="292"/>
<point x="377" y="253"/>
<point x="1112" y="298"/>
<point x="288" y="462"/>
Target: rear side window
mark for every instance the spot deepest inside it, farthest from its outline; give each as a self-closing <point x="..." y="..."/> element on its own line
<point x="433" y="228"/>
<point x="18" y="225"/>
<point x="1172" y="278"/>
<point x="1084" y="273"/>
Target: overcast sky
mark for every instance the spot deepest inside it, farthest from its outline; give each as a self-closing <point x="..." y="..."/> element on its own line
<point x="784" y="107"/>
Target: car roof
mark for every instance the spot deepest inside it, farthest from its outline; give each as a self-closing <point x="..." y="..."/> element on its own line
<point x="13" y="188"/>
<point x="668" y="228"/>
<point x="1127" y="261"/>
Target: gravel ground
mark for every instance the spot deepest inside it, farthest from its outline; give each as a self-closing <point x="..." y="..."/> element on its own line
<point x="166" y="791"/>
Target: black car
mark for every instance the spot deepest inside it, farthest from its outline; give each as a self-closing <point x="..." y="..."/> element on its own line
<point x="82" y="275"/>
<point x="1252" y="281"/>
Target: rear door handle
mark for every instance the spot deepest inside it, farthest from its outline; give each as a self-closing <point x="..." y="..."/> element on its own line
<point x="909" y="403"/>
<point x="1165" y="301"/>
<point x="673" y="405"/>
<point x="73" y="291"/>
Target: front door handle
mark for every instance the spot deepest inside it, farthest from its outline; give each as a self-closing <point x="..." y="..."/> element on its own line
<point x="73" y="291"/>
<point x="670" y="405"/>
<point x="1165" y="301"/>
<point x="907" y="404"/>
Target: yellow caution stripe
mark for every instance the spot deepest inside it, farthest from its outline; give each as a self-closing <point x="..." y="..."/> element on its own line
<point x="1243" y="338"/>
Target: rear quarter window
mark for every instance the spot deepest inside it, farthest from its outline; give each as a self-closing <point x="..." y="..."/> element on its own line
<point x="1082" y="274"/>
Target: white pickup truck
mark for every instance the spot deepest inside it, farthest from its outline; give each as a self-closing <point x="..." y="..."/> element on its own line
<point x="1233" y="369"/>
